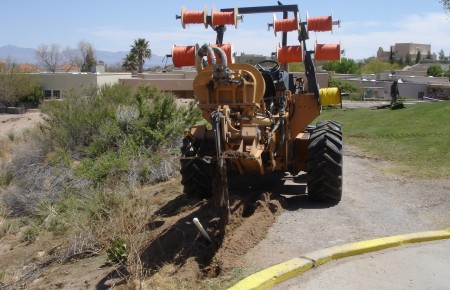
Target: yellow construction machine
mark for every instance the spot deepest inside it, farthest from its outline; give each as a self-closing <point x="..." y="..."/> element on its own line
<point x="259" y="115"/>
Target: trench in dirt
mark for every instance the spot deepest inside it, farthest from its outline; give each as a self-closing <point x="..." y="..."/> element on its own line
<point x="252" y="212"/>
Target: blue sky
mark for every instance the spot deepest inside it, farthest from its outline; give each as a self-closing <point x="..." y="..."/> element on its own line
<point x="112" y="25"/>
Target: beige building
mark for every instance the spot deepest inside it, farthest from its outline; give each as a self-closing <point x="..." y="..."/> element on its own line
<point x="403" y="49"/>
<point x="178" y="82"/>
<point x="55" y="85"/>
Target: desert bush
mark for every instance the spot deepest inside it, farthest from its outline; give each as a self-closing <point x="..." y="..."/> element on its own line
<point x="19" y="87"/>
<point x="117" y="131"/>
<point x="117" y="251"/>
<point x="37" y="171"/>
<point x="76" y="174"/>
<point x="5" y="175"/>
<point x="30" y="234"/>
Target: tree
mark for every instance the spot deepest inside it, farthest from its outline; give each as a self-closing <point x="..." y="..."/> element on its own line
<point x="345" y="66"/>
<point x="391" y="56"/>
<point x="52" y="56"/>
<point x="401" y="61"/>
<point x="418" y="57"/>
<point x="441" y="54"/>
<point x="87" y="56"/>
<point x="141" y="51"/>
<point x="408" y="59"/>
<point x="429" y="55"/>
<point x="435" y="70"/>
<point x="49" y="56"/>
<point x="130" y="62"/>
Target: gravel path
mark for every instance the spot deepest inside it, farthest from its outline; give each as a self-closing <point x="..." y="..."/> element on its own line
<point x="374" y="205"/>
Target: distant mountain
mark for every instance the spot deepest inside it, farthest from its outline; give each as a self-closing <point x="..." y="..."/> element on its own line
<point x="28" y="55"/>
<point x="18" y="54"/>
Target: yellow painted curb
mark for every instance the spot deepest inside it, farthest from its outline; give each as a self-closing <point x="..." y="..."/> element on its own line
<point x="297" y="266"/>
<point x="275" y="274"/>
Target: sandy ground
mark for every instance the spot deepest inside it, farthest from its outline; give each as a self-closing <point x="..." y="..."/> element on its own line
<point x="15" y="123"/>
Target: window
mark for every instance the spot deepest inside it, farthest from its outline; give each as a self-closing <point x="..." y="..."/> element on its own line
<point x="57" y="94"/>
<point x="47" y="94"/>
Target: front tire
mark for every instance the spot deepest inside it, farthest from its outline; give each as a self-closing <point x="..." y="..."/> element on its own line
<point x="324" y="178"/>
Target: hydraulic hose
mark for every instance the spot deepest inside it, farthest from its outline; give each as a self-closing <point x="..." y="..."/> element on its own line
<point x="207" y="50"/>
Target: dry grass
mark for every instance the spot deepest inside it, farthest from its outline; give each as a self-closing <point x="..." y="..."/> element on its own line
<point x="77" y="178"/>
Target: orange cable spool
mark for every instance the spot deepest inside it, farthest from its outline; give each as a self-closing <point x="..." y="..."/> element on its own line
<point x="224" y="18"/>
<point x="183" y="55"/>
<point x="227" y="48"/>
<point x="193" y="17"/>
<point x="286" y="25"/>
<point x="288" y="54"/>
<point x="327" y="52"/>
<point x="320" y="23"/>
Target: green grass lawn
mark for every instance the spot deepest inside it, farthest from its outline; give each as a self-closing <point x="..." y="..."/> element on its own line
<point x="416" y="138"/>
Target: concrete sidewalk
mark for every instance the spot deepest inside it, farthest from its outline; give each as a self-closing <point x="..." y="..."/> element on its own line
<point x="419" y="266"/>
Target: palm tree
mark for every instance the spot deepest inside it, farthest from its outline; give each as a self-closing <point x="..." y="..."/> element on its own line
<point x="130" y="62"/>
<point x="141" y="51"/>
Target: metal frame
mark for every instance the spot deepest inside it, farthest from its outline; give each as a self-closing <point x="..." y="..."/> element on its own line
<point x="265" y="9"/>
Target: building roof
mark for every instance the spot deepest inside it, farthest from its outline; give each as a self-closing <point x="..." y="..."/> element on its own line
<point x="67" y="67"/>
<point x="26" y="67"/>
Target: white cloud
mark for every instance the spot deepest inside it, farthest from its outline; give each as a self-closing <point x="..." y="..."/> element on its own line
<point x="430" y="28"/>
<point x="359" y="39"/>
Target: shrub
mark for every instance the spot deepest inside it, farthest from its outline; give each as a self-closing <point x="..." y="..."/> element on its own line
<point x="30" y="234"/>
<point x="76" y="175"/>
<point x="344" y="66"/>
<point x="435" y="70"/>
<point x="112" y="138"/>
<point x="127" y="146"/>
<point x="345" y="86"/>
<point x="117" y="251"/>
<point x="19" y="87"/>
<point x="36" y="171"/>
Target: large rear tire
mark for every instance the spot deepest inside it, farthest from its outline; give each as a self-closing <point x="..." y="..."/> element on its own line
<point x="324" y="178"/>
<point x="197" y="175"/>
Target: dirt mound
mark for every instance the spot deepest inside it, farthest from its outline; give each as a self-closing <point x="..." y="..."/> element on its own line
<point x="189" y="254"/>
